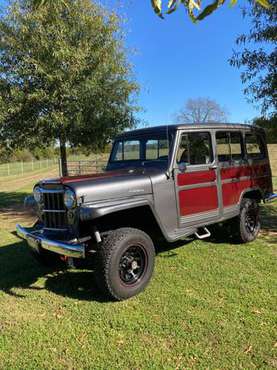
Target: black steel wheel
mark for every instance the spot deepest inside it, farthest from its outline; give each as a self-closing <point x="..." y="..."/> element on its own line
<point x="125" y="263"/>
<point x="132" y="264"/>
<point x="247" y="225"/>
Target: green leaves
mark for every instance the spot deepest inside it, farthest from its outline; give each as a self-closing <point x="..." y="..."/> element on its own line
<point x="39" y="3"/>
<point x="195" y="8"/>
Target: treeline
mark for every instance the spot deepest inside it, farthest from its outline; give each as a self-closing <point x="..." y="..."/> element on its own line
<point x="27" y="155"/>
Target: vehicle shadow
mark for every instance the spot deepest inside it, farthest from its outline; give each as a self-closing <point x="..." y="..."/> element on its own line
<point x="19" y="271"/>
<point x="223" y="233"/>
<point x="11" y="200"/>
<point x="163" y="245"/>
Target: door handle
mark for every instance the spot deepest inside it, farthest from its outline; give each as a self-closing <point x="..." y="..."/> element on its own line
<point x="213" y="167"/>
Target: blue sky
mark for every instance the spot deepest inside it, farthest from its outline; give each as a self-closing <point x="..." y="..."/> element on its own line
<point x="177" y="60"/>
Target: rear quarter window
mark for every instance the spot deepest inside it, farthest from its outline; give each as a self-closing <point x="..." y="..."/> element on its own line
<point x="255" y="146"/>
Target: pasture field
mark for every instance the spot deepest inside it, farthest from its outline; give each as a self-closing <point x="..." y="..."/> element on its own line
<point x="211" y="304"/>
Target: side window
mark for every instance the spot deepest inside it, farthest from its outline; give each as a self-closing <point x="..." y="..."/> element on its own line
<point x="152" y="149"/>
<point x="163" y="149"/>
<point x="195" y="149"/>
<point x="229" y="146"/>
<point x="236" y="146"/>
<point x="131" y="150"/>
<point x="156" y="149"/>
<point x="255" y="147"/>
<point x="223" y="147"/>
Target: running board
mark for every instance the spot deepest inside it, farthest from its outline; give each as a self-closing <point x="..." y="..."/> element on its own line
<point x="207" y="234"/>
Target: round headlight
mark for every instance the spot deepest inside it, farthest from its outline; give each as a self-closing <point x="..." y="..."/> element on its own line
<point x="69" y="198"/>
<point x="37" y="194"/>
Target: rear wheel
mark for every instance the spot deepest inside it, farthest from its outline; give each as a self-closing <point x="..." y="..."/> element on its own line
<point x="247" y="225"/>
<point x="125" y="263"/>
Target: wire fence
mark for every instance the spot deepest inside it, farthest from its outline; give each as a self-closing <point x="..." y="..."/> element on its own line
<point x="21" y="168"/>
<point x="85" y="167"/>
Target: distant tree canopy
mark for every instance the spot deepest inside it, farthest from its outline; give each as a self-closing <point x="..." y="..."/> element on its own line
<point x="201" y="110"/>
<point x="270" y="126"/>
<point x="257" y="57"/>
<point x="64" y="76"/>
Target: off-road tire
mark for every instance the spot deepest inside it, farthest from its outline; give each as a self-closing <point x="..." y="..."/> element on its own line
<point x="249" y="213"/>
<point x="114" y="247"/>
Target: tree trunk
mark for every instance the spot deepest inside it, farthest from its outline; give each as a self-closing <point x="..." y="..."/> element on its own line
<point x="63" y="156"/>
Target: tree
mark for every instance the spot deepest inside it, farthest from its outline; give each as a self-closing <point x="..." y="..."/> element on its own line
<point x="64" y="76"/>
<point x="258" y="57"/>
<point x="202" y="110"/>
<point x="270" y="126"/>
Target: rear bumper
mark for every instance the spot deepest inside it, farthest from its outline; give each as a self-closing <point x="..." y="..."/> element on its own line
<point x="271" y="198"/>
<point x="37" y="240"/>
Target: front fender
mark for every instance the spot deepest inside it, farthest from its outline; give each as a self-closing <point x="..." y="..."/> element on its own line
<point x="93" y="211"/>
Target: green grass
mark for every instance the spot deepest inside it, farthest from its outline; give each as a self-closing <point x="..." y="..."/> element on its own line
<point x="209" y="305"/>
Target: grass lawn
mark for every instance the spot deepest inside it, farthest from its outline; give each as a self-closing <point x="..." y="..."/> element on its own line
<point x="209" y="305"/>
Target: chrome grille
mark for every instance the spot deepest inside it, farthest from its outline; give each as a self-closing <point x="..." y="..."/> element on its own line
<point x="54" y="211"/>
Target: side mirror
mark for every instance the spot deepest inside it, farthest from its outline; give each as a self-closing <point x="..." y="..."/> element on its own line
<point x="182" y="167"/>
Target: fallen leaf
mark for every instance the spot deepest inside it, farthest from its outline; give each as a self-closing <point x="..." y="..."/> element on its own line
<point x="248" y="349"/>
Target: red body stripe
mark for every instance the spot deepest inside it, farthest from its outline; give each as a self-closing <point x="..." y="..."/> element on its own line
<point x="198" y="177"/>
<point x="69" y="179"/>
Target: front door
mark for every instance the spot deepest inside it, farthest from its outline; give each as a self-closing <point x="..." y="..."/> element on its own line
<point x="196" y="179"/>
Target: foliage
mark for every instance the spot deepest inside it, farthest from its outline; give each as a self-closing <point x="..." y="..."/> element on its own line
<point x="201" y="110"/>
<point x="270" y="125"/>
<point x="193" y="7"/>
<point x="258" y="56"/>
<point x="63" y="75"/>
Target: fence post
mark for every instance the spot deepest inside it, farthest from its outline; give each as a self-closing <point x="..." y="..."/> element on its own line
<point x="60" y="167"/>
<point x="80" y="171"/>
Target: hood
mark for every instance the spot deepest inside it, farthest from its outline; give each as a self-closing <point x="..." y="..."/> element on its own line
<point x="107" y="185"/>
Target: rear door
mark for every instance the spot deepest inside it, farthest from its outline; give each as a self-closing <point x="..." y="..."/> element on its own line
<point x="234" y="170"/>
<point x="196" y="179"/>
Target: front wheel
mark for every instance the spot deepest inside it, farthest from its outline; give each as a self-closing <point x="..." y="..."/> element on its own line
<point x="247" y="225"/>
<point x="125" y="263"/>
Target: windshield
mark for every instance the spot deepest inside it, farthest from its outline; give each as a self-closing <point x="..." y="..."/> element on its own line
<point x="147" y="150"/>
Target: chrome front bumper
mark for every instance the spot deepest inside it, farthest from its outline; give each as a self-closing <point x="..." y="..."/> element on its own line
<point x="271" y="198"/>
<point x="37" y="240"/>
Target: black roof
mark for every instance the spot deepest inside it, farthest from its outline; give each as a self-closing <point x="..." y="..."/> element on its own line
<point x="173" y="127"/>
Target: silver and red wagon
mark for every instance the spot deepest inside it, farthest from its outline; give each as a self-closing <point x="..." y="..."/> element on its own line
<point x="161" y="182"/>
